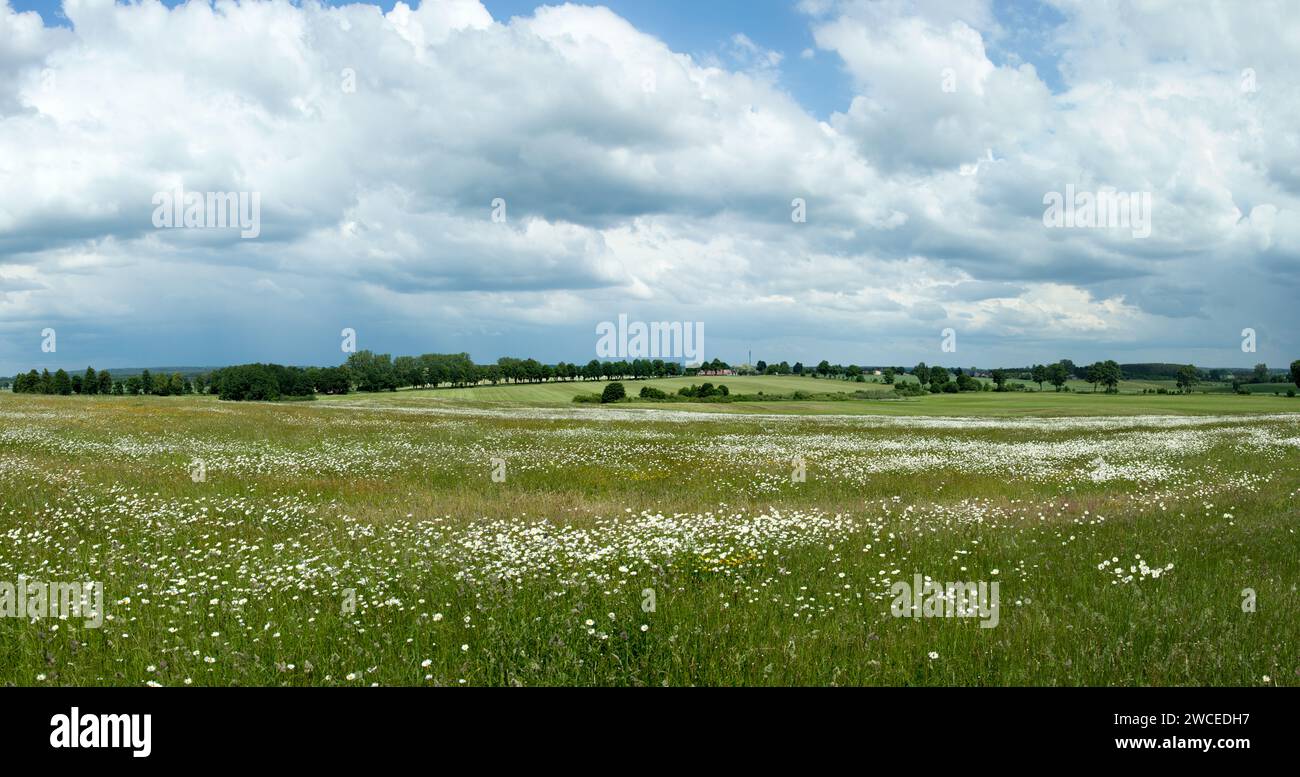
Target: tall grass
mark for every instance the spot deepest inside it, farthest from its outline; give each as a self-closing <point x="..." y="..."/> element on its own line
<point x="329" y="545"/>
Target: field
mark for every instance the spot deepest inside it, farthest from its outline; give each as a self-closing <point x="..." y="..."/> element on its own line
<point x="505" y="536"/>
<point x="1080" y="401"/>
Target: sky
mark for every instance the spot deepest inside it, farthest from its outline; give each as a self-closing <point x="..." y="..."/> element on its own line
<point x="870" y="182"/>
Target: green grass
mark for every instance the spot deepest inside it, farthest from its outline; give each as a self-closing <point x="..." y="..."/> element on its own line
<point x="564" y="392"/>
<point x="388" y="503"/>
<point x="1081" y="401"/>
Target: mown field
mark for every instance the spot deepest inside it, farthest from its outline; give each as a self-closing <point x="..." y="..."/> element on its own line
<point x="364" y="540"/>
<point x="1080" y="401"/>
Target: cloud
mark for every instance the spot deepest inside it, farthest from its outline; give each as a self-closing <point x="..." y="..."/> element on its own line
<point x="635" y="178"/>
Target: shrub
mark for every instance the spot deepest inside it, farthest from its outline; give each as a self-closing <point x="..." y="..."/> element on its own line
<point x="704" y="391"/>
<point x="650" y="392"/>
<point x="613" y="393"/>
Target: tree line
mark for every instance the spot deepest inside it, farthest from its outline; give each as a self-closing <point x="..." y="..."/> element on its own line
<point x="381" y="372"/>
<point x="99" y="382"/>
<point x="369" y="372"/>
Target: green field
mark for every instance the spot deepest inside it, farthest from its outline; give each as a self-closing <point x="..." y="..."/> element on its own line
<point x="564" y="392"/>
<point x="1081" y="401"/>
<point x="364" y="539"/>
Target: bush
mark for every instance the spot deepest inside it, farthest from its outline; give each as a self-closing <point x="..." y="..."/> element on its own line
<point x="704" y="391"/>
<point x="614" y="392"/>
<point x="650" y="392"/>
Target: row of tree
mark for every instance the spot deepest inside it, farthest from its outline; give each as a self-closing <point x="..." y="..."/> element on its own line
<point x="269" y="382"/>
<point x="1105" y="373"/>
<point x="381" y="372"/>
<point x="101" y="382"/>
<point x="367" y="371"/>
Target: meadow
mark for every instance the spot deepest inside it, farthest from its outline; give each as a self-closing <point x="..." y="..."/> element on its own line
<point x="505" y="536"/>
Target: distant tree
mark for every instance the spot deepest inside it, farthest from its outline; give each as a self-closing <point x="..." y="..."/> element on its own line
<point x="1111" y="375"/>
<point x="408" y="371"/>
<point x="255" y="382"/>
<point x="90" y="382"/>
<point x="374" y="372"/>
<point x="889" y="375"/>
<point x="62" y="383"/>
<point x="1187" y="377"/>
<point x="1261" y="373"/>
<point x="1058" y="374"/>
<point x="1039" y="375"/>
<point x="76" y="384"/>
<point x="797" y="369"/>
<point x="823" y="367"/>
<point x="134" y="385"/>
<point x="1093" y="374"/>
<point x="332" y="380"/>
<point x="1295" y="373"/>
<point x="940" y="378"/>
<point x="922" y="373"/>
<point x="1000" y="379"/>
<point x="761" y="366"/>
<point x="146" y="382"/>
<point x="105" y="381"/>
